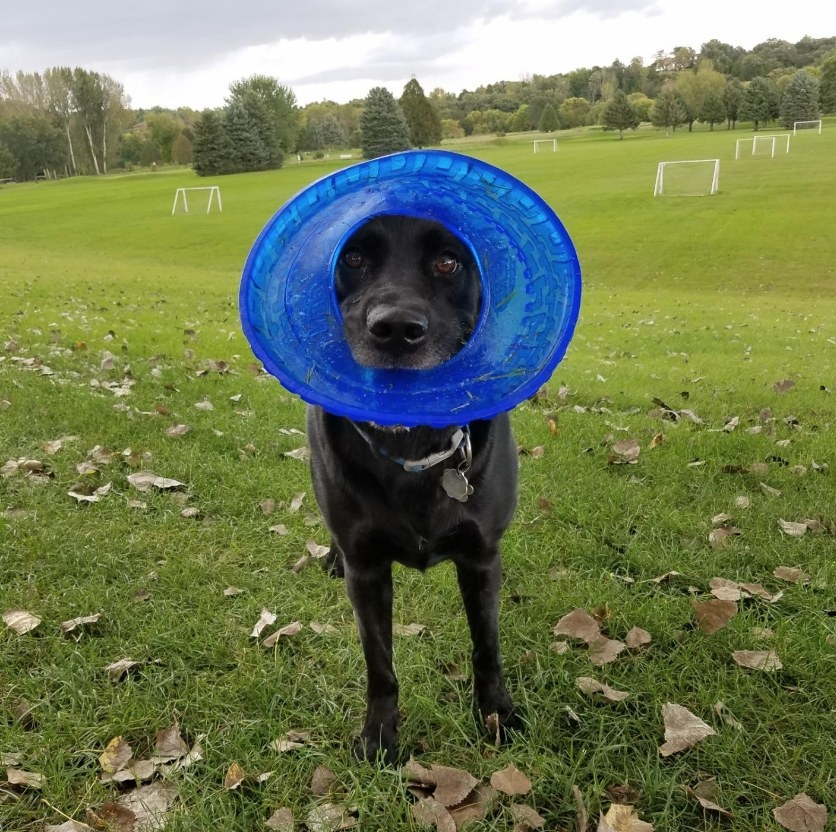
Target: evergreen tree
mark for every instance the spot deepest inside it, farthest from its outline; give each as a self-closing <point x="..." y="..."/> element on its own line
<point x="211" y="151"/>
<point x="421" y="116"/>
<point x="732" y="96"/>
<point x="759" y="103"/>
<point x="801" y="100"/>
<point x="273" y="113"/>
<point x="383" y="127"/>
<point x="713" y="110"/>
<point x="619" y="114"/>
<point x="668" y="111"/>
<point x="549" y="120"/>
<point x="248" y="150"/>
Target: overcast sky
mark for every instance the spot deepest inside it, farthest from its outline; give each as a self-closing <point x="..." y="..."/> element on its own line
<point x="187" y="52"/>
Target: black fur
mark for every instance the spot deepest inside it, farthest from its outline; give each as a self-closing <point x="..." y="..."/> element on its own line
<point x="410" y="295"/>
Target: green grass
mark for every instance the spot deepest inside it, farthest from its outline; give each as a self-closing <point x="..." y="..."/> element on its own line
<point x="703" y="303"/>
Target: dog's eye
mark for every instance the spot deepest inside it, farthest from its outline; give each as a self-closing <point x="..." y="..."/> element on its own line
<point x="446" y="264"/>
<point x="353" y="258"/>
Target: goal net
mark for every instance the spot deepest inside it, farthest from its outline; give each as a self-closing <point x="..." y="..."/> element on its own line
<point x="690" y="177"/>
<point x="763" y="146"/>
<point x="546" y="142"/>
<point x="815" y="124"/>
<point x="212" y="194"/>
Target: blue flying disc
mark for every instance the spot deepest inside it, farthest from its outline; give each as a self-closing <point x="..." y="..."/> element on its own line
<point x="531" y="288"/>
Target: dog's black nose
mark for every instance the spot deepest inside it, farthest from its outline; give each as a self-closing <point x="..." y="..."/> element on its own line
<point x="396" y="327"/>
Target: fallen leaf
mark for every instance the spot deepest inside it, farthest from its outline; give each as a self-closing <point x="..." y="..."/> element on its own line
<point x="801" y="814"/>
<point x="725" y="590"/>
<point x="281" y="821"/>
<point x="330" y="817"/>
<point x="758" y="659"/>
<point x="728" y="719"/>
<point x="68" y="826"/>
<point x="69" y="626"/>
<point x="526" y="818"/>
<point x="718" y="537"/>
<point x="622" y="817"/>
<point x="705" y="793"/>
<point x="474" y="807"/>
<point x="170" y="745"/>
<point x="682" y="729"/>
<point x="323" y="629"/>
<point x="784" y="386"/>
<point x="116" y="755"/>
<point x="713" y="615"/>
<point x="80" y="493"/>
<point x="117" y="670"/>
<point x="265" y="620"/>
<point x="742" y="502"/>
<point x="791" y="574"/>
<point x="409" y="629"/>
<point x="232" y="591"/>
<point x="578" y="624"/>
<point x="279" y="529"/>
<point x="322" y="780"/>
<point x="511" y="780"/>
<point x="296" y="503"/>
<point x="234" y="777"/>
<point x="589" y="685"/>
<point x="149" y="805"/>
<point x="204" y="405"/>
<point x="637" y="638"/>
<point x="20" y="621"/>
<point x="581" y="814"/>
<point x="603" y="650"/>
<point x="177" y="430"/>
<point x="793" y="529"/>
<point x="625" y="452"/>
<point x="26" y="779"/>
<point x="288" y="631"/>
<point x="427" y="811"/>
<point x="769" y="490"/>
<point x="146" y="480"/>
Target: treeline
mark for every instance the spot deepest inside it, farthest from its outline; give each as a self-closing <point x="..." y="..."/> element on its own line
<point x="73" y="121"/>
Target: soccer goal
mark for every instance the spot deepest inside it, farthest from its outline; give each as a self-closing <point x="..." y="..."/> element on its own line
<point x="690" y="177"/>
<point x="815" y="124"/>
<point x="552" y="142"/>
<point x="214" y="191"/>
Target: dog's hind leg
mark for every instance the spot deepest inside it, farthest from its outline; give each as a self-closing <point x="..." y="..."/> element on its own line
<point x="479" y="582"/>
<point x="370" y="593"/>
<point x="333" y="562"/>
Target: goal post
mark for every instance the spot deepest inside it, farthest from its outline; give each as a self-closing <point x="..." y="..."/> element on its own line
<point x="769" y="141"/>
<point x="777" y="137"/>
<point x="813" y="124"/>
<point x="687" y="177"/>
<point x="180" y="195"/>
<point x="552" y="142"/>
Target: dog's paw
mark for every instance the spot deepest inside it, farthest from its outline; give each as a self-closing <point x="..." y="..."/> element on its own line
<point x="333" y="563"/>
<point x="499" y="724"/>
<point x="376" y="751"/>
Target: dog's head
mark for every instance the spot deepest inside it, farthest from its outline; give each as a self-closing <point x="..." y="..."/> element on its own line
<point x="409" y="291"/>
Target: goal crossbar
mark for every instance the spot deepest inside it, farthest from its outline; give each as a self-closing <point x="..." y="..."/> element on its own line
<point x="775" y="137"/>
<point x="214" y="191"/>
<point x="812" y="124"/>
<point x="553" y="143"/>
<point x="710" y="188"/>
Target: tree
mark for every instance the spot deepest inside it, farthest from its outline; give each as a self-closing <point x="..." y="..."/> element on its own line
<point x="248" y="151"/>
<point x="713" y="110"/>
<point x="273" y="113"/>
<point x="7" y="162"/>
<point x="574" y="112"/>
<point x="163" y="130"/>
<point x="35" y="146"/>
<point x="642" y="104"/>
<point x="519" y="121"/>
<point x="619" y="114"/>
<point x="549" y="120"/>
<point x="732" y="96"/>
<point x="759" y="103"/>
<point x="181" y="150"/>
<point x="211" y="151"/>
<point x="827" y="84"/>
<point x="694" y="87"/>
<point x="383" y="127"/>
<point x="60" y="103"/>
<point x="801" y="100"/>
<point x="668" y="111"/>
<point x="421" y="116"/>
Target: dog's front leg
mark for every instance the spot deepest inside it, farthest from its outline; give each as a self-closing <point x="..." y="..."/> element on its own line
<point x="479" y="582"/>
<point x="370" y="593"/>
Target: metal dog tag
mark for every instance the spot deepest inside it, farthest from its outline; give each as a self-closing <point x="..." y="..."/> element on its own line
<point x="455" y="484"/>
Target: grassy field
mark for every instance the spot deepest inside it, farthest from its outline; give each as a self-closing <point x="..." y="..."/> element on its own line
<point x="119" y="325"/>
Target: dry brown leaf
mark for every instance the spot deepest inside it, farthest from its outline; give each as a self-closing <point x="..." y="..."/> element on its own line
<point x="718" y="537"/>
<point x="758" y="659"/>
<point x="296" y="502"/>
<point x="20" y="621"/>
<point x="637" y="638"/>
<point x="69" y="626"/>
<point x="510" y="780"/>
<point x="705" y="793"/>
<point x="149" y="805"/>
<point x="323" y="629"/>
<point x="588" y="685"/>
<point x="322" y="780"/>
<point x="452" y="785"/>
<point x="793" y="529"/>
<point x="622" y="817"/>
<point x="409" y="629"/>
<point x="625" y="452"/>
<point x="288" y="631"/>
<point x="170" y="745"/>
<point x="281" y="821"/>
<point x="724" y="589"/>
<point x="265" y="620"/>
<point x="115" y="756"/>
<point x="526" y="818"/>
<point x="784" y="386"/>
<point x="801" y="814"/>
<point x="791" y="574"/>
<point x="474" y="807"/>
<point x="117" y="670"/>
<point x="578" y="624"/>
<point x="146" y="480"/>
<point x="581" y="814"/>
<point x="429" y="812"/>
<point x="68" y="826"/>
<point x="26" y="779"/>
<point x="330" y="817"/>
<point x="280" y="529"/>
<point x="713" y="615"/>
<point x="315" y="550"/>
<point x="232" y="591"/>
<point x="234" y="777"/>
<point x="603" y="650"/>
<point x="177" y="430"/>
<point x="682" y="729"/>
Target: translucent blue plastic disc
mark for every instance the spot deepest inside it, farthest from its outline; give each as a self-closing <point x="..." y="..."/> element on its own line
<point x="531" y="286"/>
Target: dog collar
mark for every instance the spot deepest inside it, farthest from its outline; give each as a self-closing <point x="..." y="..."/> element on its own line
<point x="459" y="441"/>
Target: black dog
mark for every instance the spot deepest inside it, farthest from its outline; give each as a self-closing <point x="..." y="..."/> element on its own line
<point x="410" y="294"/>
